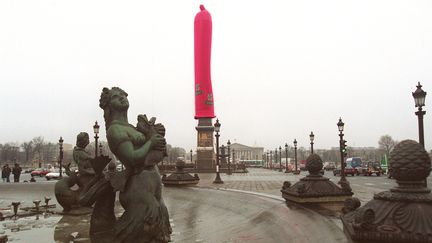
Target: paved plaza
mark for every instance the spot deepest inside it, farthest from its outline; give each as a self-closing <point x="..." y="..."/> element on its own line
<point x="247" y="207"/>
<point x="270" y="182"/>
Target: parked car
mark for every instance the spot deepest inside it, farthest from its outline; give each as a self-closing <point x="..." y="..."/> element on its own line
<point x="351" y="171"/>
<point x="302" y="165"/>
<point x="28" y="170"/>
<point x="40" y="172"/>
<point x="55" y="174"/>
<point x="348" y="171"/>
<point x="329" y="165"/>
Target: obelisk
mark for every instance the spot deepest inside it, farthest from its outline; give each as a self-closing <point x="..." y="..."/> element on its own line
<point x="204" y="104"/>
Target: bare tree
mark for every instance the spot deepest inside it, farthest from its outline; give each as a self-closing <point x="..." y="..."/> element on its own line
<point x="174" y="153"/>
<point x="6" y="151"/>
<point x="38" y="143"/>
<point x="386" y="143"/>
<point x="28" y="147"/>
<point x="49" y="152"/>
<point x="105" y="149"/>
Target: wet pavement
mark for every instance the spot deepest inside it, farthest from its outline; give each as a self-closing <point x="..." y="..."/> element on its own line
<point x="197" y="215"/>
<point x="246" y="208"/>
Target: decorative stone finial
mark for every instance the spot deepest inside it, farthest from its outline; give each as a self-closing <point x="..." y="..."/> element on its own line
<point x="403" y="214"/>
<point x="180" y="164"/>
<point x="180" y="177"/>
<point x="409" y="161"/>
<point x="314" y="164"/>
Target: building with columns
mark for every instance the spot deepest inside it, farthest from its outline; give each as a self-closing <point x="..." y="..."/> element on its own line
<point x="244" y="153"/>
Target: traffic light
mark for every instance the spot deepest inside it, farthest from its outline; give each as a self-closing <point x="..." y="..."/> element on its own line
<point x="344" y="148"/>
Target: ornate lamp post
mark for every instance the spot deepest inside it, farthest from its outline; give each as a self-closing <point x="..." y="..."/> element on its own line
<point x="295" y="155"/>
<point x="191" y="156"/>
<point x="96" y="132"/>
<point x="276" y="156"/>
<point x="229" y="156"/>
<point x="61" y="155"/>
<point x="280" y="159"/>
<point x="311" y="137"/>
<point x="286" y="158"/>
<point x="271" y="159"/>
<point x="233" y="158"/>
<point x="340" y="125"/>
<point x="217" y="126"/>
<point x="419" y="98"/>
<point x="267" y="159"/>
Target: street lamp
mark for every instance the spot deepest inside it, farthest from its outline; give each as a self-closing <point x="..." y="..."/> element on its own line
<point x="271" y="159"/>
<point x="217" y="126"/>
<point x="229" y="156"/>
<point x="276" y="156"/>
<point x="233" y="159"/>
<point x="267" y="159"/>
<point x="311" y="137"/>
<point x="286" y="158"/>
<point x="191" y="155"/>
<point x="96" y="132"/>
<point x="280" y="159"/>
<point x="61" y="155"/>
<point x="419" y="99"/>
<point x="340" y="125"/>
<point x="295" y="155"/>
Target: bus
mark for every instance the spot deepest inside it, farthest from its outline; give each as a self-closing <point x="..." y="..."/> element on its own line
<point x="354" y="162"/>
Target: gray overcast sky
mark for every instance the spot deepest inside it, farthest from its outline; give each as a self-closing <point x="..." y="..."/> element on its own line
<point x="280" y="69"/>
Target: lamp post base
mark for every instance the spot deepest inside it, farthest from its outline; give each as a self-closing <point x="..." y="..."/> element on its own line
<point x="218" y="180"/>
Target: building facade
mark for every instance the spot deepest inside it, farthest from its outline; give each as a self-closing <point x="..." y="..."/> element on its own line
<point x="246" y="154"/>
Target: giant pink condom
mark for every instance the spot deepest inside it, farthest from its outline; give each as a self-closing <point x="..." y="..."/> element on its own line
<point x="204" y="103"/>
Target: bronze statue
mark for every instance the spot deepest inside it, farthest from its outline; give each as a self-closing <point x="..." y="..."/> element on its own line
<point x="100" y="193"/>
<point x="67" y="197"/>
<point x="82" y="159"/>
<point x="139" y="149"/>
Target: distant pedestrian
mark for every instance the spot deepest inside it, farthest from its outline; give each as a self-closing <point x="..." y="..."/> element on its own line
<point x="16" y="171"/>
<point x="6" y="173"/>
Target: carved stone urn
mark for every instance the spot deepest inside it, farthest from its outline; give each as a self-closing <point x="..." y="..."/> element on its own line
<point x="403" y="214"/>
<point x="180" y="177"/>
<point x="316" y="190"/>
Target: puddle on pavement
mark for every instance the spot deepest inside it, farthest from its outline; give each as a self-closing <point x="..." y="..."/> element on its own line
<point x="51" y="228"/>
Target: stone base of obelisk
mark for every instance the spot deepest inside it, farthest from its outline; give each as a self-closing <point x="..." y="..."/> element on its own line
<point x="205" y="149"/>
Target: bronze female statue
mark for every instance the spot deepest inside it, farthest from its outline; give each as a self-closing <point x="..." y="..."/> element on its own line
<point x="139" y="149"/>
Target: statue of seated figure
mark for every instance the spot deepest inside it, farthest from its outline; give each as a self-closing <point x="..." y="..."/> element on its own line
<point x="66" y="196"/>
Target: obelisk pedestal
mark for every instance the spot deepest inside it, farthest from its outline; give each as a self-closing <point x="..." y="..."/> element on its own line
<point x="205" y="149"/>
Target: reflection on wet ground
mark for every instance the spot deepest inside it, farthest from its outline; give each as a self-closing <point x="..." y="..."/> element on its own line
<point x="30" y="229"/>
<point x="198" y="215"/>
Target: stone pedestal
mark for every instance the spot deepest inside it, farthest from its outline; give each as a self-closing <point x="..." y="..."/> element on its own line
<point x="403" y="214"/>
<point x="205" y="148"/>
<point x="315" y="190"/>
